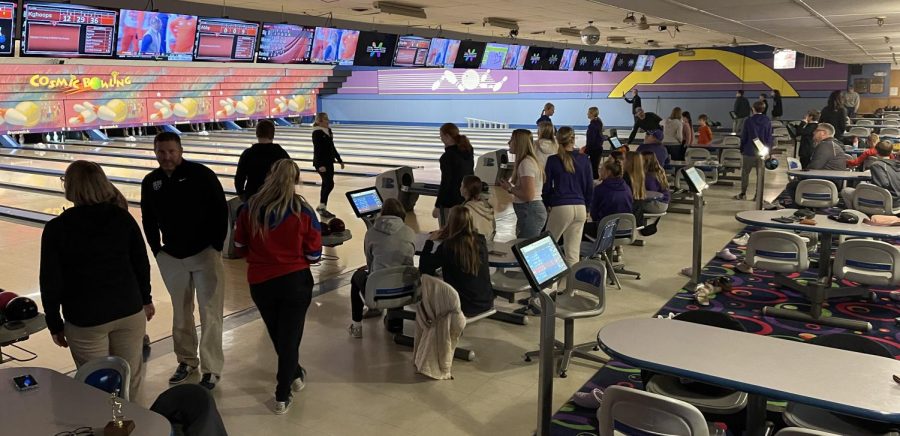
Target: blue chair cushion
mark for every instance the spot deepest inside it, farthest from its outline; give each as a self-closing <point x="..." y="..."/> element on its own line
<point x="106" y="379"/>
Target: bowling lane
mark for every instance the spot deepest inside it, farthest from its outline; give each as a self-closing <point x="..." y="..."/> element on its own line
<point x="33" y="201"/>
<point x="385" y="138"/>
<point x="52" y="185"/>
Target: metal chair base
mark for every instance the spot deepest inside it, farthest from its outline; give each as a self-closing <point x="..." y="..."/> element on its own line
<point x="817" y="296"/>
<point x="567" y="350"/>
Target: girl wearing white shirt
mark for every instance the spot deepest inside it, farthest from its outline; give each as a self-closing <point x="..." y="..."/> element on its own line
<point x="526" y="185"/>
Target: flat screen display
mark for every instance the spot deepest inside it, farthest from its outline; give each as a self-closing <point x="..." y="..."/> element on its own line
<point x="641" y="61"/>
<point x="225" y="40"/>
<point x="285" y="43"/>
<point x="542" y="260"/>
<point x="543" y="58"/>
<point x="516" y="57"/>
<point x="334" y="46"/>
<point x="53" y="29"/>
<point x="375" y="49"/>
<point x="494" y="56"/>
<point x="625" y="62"/>
<point x="785" y="59"/>
<point x="609" y="61"/>
<point x="412" y="51"/>
<point x="589" y="61"/>
<point x="365" y="201"/>
<point x="155" y="35"/>
<point x="442" y="53"/>
<point x="648" y="66"/>
<point x="470" y="54"/>
<point x="7" y="24"/>
<point x="567" y="62"/>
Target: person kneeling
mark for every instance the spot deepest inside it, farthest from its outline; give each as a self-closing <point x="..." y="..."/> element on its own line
<point x="389" y="243"/>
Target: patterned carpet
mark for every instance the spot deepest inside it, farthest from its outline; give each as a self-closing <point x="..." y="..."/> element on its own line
<point x="750" y="293"/>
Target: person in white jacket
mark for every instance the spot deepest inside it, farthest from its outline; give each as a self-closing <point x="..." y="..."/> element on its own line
<point x="546" y="144"/>
<point x="673" y="138"/>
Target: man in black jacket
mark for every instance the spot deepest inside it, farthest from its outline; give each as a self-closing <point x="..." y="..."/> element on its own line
<point x="635" y="100"/>
<point x="185" y="202"/>
<point x="255" y="162"/>
<point x="741" y="111"/>
<point x="646" y="121"/>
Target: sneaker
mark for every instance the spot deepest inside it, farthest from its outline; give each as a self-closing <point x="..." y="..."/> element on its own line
<point x="590" y="400"/>
<point x="281" y="407"/>
<point x="740" y="197"/>
<point x="529" y="310"/>
<point x="299" y="383"/>
<point x="372" y="313"/>
<point x="687" y="271"/>
<point x="355" y="331"/>
<point x="726" y="254"/>
<point x="742" y="240"/>
<point x="324" y="212"/>
<point x="744" y="268"/>
<point x="181" y="373"/>
<point x="209" y="381"/>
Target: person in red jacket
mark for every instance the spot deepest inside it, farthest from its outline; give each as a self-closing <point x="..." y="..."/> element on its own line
<point x="278" y="232"/>
<point x="870" y="151"/>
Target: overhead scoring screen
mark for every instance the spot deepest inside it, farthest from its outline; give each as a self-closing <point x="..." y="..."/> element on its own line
<point x="516" y="57"/>
<point x="222" y="39"/>
<point x="285" y="43"/>
<point x="156" y="35"/>
<point x="494" y="56"/>
<point x="412" y="51"/>
<point x="52" y="29"/>
<point x="442" y="53"/>
<point x="7" y="23"/>
<point x="334" y="46"/>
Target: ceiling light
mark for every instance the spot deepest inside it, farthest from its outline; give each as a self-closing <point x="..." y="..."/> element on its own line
<point x="686" y="52"/>
<point x="400" y="9"/>
<point x="629" y="19"/>
<point x="357" y="10"/>
<point x="504" y="23"/>
<point x="643" y="23"/>
<point x="887" y="39"/>
<point x="618" y="39"/>
<point x="568" y="31"/>
<point x="880" y="21"/>
<point x="733" y="42"/>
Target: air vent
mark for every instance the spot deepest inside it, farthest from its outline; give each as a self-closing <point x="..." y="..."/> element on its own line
<point x="812" y="62"/>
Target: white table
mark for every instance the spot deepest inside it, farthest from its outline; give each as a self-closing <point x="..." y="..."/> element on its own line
<point x="20" y="332"/>
<point x="765" y="367"/>
<point x="60" y="403"/>
<point x="832" y="175"/>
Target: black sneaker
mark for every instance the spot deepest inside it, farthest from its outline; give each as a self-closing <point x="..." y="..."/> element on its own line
<point x="181" y="373"/>
<point x="529" y="310"/>
<point x="372" y="313"/>
<point x="209" y="381"/>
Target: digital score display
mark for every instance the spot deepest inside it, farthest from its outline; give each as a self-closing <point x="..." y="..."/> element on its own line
<point x="442" y="53"/>
<point x="334" y="46"/>
<point x="7" y="23"/>
<point x="412" y="51"/>
<point x="51" y="29"/>
<point x="285" y="43"/>
<point x="156" y="35"/>
<point x="225" y="40"/>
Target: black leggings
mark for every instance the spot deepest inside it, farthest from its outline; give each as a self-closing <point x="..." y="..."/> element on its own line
<point x="282" y="303"/>
<point x="357" y="288"/>
<point x="327" y="184"/>
<point x="595" y="162"/>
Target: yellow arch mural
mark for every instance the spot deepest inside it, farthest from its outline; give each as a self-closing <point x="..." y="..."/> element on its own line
<point x="753" y="71"/>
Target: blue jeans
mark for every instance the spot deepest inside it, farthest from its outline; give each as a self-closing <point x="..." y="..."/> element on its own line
<point x="530" y="218"/>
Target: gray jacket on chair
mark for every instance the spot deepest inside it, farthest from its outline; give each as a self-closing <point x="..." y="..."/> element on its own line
<point x="886" y="174"/>
<point x="390" y="242"/>
<point x="829" y="155"/>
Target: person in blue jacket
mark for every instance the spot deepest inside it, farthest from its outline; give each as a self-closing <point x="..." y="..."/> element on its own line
<point x="548" y="111"/>
<point x="594" y="145"/>
<point x="758" y="126"/>
<point x="612" y="195"/>
<point x="568" y="188"/>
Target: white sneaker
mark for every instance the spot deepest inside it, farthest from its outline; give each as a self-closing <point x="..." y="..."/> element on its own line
<point x="742" y="240"/>
<point x="589" y="400"/>
<point x="726" y="255"/>
<point x="355" y="331"/>
<point x="299" y="383"/>
<point x="281" y="407"/>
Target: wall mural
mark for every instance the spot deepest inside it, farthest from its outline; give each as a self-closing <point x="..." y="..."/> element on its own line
<point x="42" y="98"/>
<point x="707" y="70"/>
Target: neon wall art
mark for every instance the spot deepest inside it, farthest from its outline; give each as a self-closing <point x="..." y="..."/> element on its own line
<point x="44" y="98"/>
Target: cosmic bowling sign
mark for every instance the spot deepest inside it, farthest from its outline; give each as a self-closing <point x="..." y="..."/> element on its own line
<point x="44" y="98"/>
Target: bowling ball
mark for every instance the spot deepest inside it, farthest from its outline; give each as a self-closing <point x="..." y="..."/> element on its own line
<point x="771" y="163"/>
<point x="5" y="297"/>
<point x="326" y="229"/>
<point x="21" y="309"/>
<point x="337" y="225"/>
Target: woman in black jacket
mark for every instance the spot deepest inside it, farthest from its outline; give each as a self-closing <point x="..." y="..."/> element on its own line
<point x="463" y="260"/>
<point x="457" y="162"/>
<point x="777" y="108"/>
<point x="594" y="146"/>
<point x="324" y="157"/>
<point x="835" y="114"/>
<point x="94" y="266"/>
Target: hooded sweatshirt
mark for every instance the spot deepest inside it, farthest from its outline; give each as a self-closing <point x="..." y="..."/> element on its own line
<point x="610" y="197"/>
<point x="390" y="242"/>
<point x="94" y="264"/>
<point x="455" y="165"/>
<point x="544" y="148"/>
<point x="829" y="155"/>
<point x="886" y="174"/>
<point x="483" y="217"/>
<point x="562" y="188"/>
